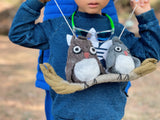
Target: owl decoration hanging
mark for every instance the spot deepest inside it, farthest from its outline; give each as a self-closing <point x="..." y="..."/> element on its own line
<point x="83" y="68"/>
<point x="82" y="59"/>
<point x="119" y="59"/>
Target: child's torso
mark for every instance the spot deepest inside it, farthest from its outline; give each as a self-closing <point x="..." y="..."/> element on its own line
<point x="99" y="102"/>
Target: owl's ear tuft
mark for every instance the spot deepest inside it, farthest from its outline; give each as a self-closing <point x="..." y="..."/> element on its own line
<point x="115" y="39"/>
<point x="69" y="39"/>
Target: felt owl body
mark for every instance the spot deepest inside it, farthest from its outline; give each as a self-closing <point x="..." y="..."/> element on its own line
<point x="82" y="62"/>
<point x="119" y="59"/>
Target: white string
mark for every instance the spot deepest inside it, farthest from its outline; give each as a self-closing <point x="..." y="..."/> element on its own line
<point x="128" y="19"/>
<point x="65" y="19"/>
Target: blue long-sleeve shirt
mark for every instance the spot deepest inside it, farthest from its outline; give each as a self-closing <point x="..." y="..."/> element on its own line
<point x="100" y="102"/>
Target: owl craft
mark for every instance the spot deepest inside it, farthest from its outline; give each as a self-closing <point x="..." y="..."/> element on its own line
<point x="119" y="60"/>
<point x="83" y="69"/>
<point x="82" y="62"/>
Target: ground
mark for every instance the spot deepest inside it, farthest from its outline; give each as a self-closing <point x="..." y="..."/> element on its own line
<point x="19" y="99"/>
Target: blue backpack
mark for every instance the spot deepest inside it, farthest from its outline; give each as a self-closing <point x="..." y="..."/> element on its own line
<point x="68" y="7"/>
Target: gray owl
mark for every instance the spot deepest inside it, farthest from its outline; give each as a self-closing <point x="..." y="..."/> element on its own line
<point x="82" y="62"/>
<point x="119" y="59"/>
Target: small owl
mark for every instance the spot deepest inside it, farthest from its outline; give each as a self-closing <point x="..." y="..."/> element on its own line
<point x="82" y="62"/>
<point x="119" y="59"/>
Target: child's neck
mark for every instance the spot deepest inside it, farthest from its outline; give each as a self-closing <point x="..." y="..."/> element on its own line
<point x="100" y="12"/>
<point x="89" y="13"/>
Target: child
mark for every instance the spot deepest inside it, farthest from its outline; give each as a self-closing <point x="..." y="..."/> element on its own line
<point x="100" y="102"/>
<point x="51" y="11"/>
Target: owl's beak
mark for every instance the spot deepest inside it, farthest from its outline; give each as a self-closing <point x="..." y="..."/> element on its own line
<point x="86" y="54"/>
<point x="126" y="53"/>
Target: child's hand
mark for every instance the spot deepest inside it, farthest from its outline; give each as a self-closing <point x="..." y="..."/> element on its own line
<point x="142" y="6"/>
<point x="44" y="1"/>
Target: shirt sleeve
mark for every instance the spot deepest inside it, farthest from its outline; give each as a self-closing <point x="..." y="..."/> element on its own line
<point x="148" y="44"/>
<point x="24" y="31"/>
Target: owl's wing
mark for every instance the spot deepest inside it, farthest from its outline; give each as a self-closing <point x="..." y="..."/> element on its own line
<point x="110" y="60"/>
<point x="137" y="62"/>
<point x="69" y="71"/>
<point x="100" y="66"/>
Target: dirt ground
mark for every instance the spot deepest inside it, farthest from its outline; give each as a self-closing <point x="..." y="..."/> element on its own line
<point x="20" y="100"/>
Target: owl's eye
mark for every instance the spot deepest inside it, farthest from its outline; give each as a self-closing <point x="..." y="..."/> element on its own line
<point x="118" y="49"/>
<point x="77" y="49"/>
<point x="92" y="50"/>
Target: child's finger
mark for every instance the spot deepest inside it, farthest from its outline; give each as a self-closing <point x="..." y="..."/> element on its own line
<point x="133" y="3"/>
<point x="138" y="2"/>
<point x="146" y="1"/>
<point x="143" y="2"/>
